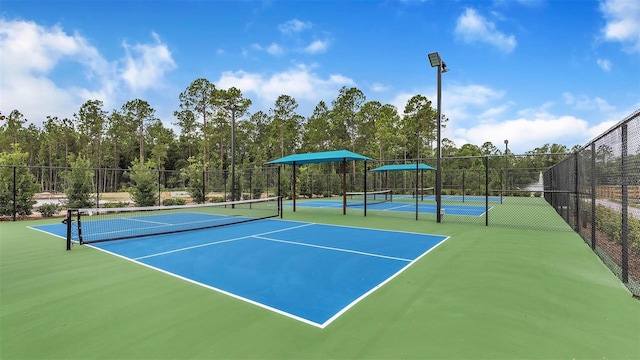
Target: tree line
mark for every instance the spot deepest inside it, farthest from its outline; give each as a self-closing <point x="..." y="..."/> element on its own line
<point x="133" y="133"/>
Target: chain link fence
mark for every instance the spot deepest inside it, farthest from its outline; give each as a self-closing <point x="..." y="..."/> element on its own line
<point x="499" y="190"/>
<point x="597" y="192"/>
<point x="105" y="187"/>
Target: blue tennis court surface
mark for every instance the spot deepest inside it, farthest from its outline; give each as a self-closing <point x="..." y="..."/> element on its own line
<point x="306" y="271"/>
<point x="465" y="210"/>
<point x="470" y="198"/>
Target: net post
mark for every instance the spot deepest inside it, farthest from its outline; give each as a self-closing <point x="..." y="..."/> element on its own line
<point x="79" y="230"/>
<point x="67" y="222"/>
<point x="280" y="207"/>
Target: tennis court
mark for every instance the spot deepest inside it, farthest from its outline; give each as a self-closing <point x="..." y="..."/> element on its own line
<point x="305" y="271"/>
<point x="397" y="206"/>
<point x="485" y="292"/>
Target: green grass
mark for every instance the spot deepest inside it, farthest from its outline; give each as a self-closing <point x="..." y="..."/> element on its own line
<point x="487" y="292"/>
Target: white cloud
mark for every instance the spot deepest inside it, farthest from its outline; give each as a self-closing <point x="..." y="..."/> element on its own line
<point x="493" y="112"/>
<point x="568" y="98"/>
<point x="294" y="26"/>
<point x="604" y="64"/>
<point x="275" y="49"/>
<point x="272" y="49"/>
<point x="596" y="103"/>
<point x="35" y="65"/>
<point x="585" y="103"/>
<point x="317" y="46"/>
<point x="299" y="82"/>
<point x="527" y="133"/>
<point x="30" y="52"/>
<point x="462" y="103"/>
<point x="479" y="114"/>
<point x="622" y="22"/>
<point x="471" y="27"/>
<point x="146" y="68"/>
<point x="378" y="87"/>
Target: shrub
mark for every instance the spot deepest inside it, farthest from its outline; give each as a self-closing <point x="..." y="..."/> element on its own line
<point x="48" y="210"/>
<point x="144" y="192"/>
<point x="257" y="193"/>
<point x="609" y="221"/>
<point x="25" y="185"/>
<point x="80" y="179"/>
<point x="193" y="176"/>
<point x="115" y="204"/>
<point x="174" y="201"/>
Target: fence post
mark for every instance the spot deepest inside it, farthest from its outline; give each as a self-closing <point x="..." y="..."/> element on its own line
<point x="577" y="192"/>
<point x="159" y="190"/>
<point x="97" y="176"/>
<point x="625" y="209"/>
<point x="486" y="191"/>
<point x="463" y="189"/>
<point x="593" y="195"/>
<point x="15" y="195"/>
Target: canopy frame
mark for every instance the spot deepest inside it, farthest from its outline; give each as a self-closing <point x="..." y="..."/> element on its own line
<point x="321" y="157"/>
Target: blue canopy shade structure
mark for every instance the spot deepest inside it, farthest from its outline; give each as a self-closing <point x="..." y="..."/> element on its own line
<point x="404" y="167"/>
<point x="322" y="157"/>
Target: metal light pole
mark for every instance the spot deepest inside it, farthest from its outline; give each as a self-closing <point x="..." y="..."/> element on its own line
<point x="436" y="61"/>
<point x="233" y="152"/>
<point x="506" y="164"/>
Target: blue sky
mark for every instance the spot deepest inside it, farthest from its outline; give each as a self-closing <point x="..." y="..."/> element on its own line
<point x="532" y="72"/>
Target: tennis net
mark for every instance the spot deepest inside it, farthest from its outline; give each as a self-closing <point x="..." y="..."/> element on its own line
<point x="105" y="224"/>
<point x="371" y="197"/>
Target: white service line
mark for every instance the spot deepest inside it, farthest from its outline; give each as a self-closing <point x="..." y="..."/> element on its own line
<point x="220" y="242"/>
<point x="333" y="248"/>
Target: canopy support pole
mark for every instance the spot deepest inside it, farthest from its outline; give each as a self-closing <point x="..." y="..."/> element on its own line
<point x="365" y="187"/>
<point x="293" y="181"/>
<point x="417" y="184"/>
<point x="344" y="186"/>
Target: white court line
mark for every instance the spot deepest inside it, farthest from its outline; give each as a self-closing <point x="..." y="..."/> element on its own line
<point x="147" y="221"/>
<point x="396" y="207"/>
<point x="220" y="242"/>
<point x="354" y="302"/>
<point x="332" y="248"/>
<point x="284" y="313"/>
<point x="256" y="303"/>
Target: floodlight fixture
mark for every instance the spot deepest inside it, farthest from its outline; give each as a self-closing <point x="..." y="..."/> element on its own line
<point x="434" y="59"/>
